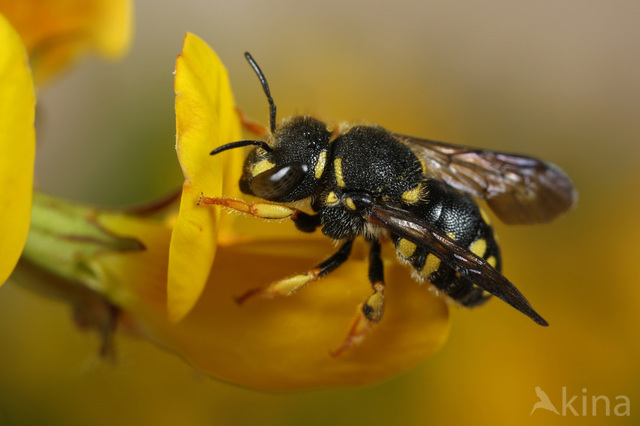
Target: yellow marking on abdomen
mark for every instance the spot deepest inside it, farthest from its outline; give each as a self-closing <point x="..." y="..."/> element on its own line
<point x="262" y="166"/>
<point x="479" y="247"/>
<point x="320" y="164"/>
<point x="412" y="195"/>
<point x="406" y="248"/>
<point x="431" y="264"/>
<point x="337" y="165"/>
<point x="492" y="261"/>
<point x="485" y="293"/>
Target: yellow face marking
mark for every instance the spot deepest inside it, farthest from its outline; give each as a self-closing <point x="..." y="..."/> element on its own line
<point x="451" y="235"/>
<point x="479" y="247"/>
<point x="492" y="261"/>
<point x="350" y="204"/>
<point x="406" y="248"/>
<point x="322" y="161"/>
<point x="337" y="164"/>
<point x="412" y="195"/>
<point x="262" y="166"/>
<point x="431" y="264"/>
<point x="485" y="216"/>
<point x="331" y="198"/>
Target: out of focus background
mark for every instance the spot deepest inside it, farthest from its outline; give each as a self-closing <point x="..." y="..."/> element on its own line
<point x="555" y="79"/>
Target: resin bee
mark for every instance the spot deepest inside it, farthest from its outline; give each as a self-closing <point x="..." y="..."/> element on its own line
<point x="363" y="180"/>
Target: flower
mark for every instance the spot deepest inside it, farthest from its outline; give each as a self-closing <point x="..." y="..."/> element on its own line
<point x="17" y="147"/>
<point x="205" y="117"/>
<point x="172" y="279"/>
<point x="283" y="343"/>
<point x="39" y="39"/>
<point x="279" y="344"/>
<point x="56" y="33"/>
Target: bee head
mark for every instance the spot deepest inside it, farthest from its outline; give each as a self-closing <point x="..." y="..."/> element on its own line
<point x="289" y="165"/>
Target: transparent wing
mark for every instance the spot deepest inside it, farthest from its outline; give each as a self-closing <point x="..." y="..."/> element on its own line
<point x="519" y="189"/>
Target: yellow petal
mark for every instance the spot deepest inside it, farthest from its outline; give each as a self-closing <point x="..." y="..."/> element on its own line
<point x="17" y="147"/>
<point x="205" y="118"/>
<point x="56" y="32"/>
<point x="285" y="343"/>
<point x="282" y="343"/>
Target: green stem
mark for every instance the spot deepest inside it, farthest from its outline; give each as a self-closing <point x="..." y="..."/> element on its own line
<point x="64" y="236"/>
<point x="56" y="262"/>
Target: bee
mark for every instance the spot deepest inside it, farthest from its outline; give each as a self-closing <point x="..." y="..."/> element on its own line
<point x="366" y="181"/>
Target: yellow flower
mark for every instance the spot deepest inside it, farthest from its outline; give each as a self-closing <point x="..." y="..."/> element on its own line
<point x="56" y="32"/>
<point x="283" y="343"/>
<point x="17" y="147"/>
<point x="38" y="39"/>
<point x="173" y="279"/>
<point x="278" y="344"/>
<point x="205" y="117"/>
<point x="112" y="267"/>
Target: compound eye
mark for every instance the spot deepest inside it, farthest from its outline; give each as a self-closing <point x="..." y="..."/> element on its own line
<point x="278" y="182"/>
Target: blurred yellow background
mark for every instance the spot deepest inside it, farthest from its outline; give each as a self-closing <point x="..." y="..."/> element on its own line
<point x="554" y="79"/>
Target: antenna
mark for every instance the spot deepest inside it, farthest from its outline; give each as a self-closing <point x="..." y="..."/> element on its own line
<point x="265" y="87"/>
<point x="239" y="144"/>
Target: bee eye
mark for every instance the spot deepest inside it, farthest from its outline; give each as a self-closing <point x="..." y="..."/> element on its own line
<point x="278" y="182"/>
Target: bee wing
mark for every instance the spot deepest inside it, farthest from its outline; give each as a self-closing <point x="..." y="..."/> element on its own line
<point x="519" y="189"/>
<point x="463" y="261"/>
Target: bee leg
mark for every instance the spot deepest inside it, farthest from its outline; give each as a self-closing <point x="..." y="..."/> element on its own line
<point x="290" y="285"/>
<point x="261" y="210"/>
<point x="304" y="222"/>
<point x="370" y="312"/>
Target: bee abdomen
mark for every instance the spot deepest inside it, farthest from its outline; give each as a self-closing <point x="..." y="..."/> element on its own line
<point x="464" y="222"/>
